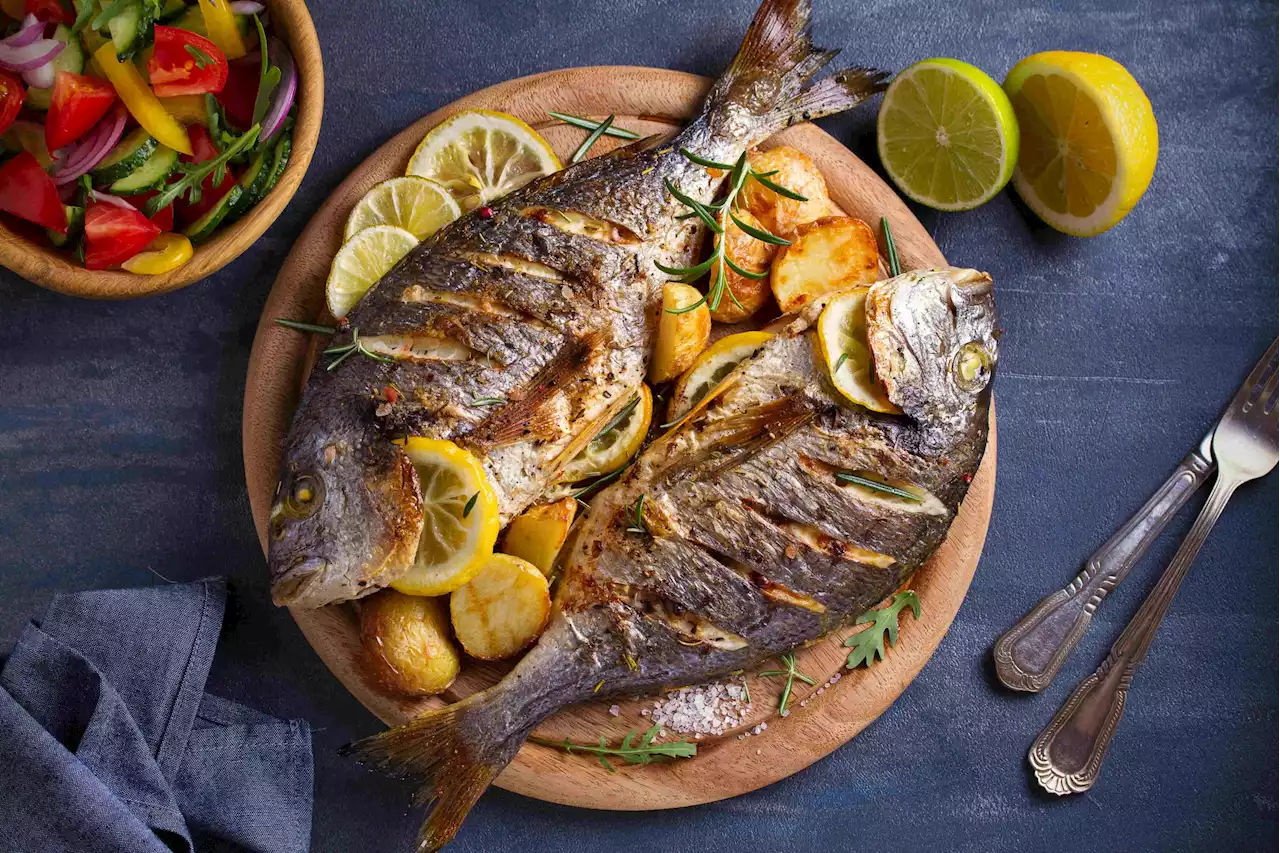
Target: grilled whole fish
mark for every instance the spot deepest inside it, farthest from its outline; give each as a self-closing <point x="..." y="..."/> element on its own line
<point x="731" y="539"/>
<point x="549" y="301"/>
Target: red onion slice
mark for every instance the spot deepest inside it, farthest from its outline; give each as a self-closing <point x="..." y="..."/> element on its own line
<point x="282" y="97"/>
<point x="247" y="7"/>
<point x="30" y="30"/>
<point x="30" y="56"/>
<point x="88" y="152"/>
<point x="113" y="200"/>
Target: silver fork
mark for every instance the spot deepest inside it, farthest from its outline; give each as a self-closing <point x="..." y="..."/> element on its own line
<point x="1068" y="754"/>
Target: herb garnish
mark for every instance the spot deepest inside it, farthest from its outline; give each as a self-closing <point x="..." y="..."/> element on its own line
<point x="844" y="356"/>
<point x="631" y="752"/>
<point x="345" y="351"/>
<point x="618" y="419"/>
<point x="868" y="645"/>
<point x="109" y="11"/>
<point x="194" y="173"/>
<point x="717" y="216"/>
<point x="598" y="484"/>
<point x="305" y="327"/>
<point x="890" y="248"/>
<point x="792" y="673"/>
<point x="203" y="60"/>
<point x="878" y="486"/>
<point x="488" y="401"/>
<point x="591" y="140"/>
<point x="588" y="124"/>
<point x="84" y="12"/>
<point x="269" y="79"/>
<point x="638" y="524"/>
<point x="471" y="504"/>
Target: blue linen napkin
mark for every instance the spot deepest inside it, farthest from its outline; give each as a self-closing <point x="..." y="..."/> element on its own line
<point x="108" y="742"/>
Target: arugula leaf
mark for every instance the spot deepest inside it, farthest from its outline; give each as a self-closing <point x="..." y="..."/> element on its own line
<point x="868" y="645"/>
<point x="194" y="173"/>
<point x="84" y="13"/>
<point x="203" y="60"/>
<point x="109" y="11"/>
<point x="269" y="79"/>
<point x="629" y="750"/>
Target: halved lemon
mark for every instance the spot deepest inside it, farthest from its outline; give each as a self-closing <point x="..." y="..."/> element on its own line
<point x="363" y="260"/>
<point x="460" y="518"/>
<point x="616" y="443"/>
<point x="713" y="365"/>
<point x="842" y="341"/>
<point x="417" y="205"/>
<point x="1089" y="139"/>
<point x="481" y="155"/>
<point x="947" y="134"/>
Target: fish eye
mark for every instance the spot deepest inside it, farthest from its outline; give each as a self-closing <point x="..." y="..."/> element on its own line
<point x="306" y="494"/>
<point x="972" y="366"/>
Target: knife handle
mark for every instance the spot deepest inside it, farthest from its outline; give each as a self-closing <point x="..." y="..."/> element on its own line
<point x="1029" y="654"/>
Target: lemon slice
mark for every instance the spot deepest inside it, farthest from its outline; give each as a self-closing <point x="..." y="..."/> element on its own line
<point x="481" y="155"/>
<point x="1089" y="139"/>
<point x="460" y="518"/>
<point x="947" y="134"/>
<point x="363" y="260"/>
<point x="713" y="365"/>
<point x="417" y="205"/>
<point x="842" y="340"/>
<point x="616" y="443"/>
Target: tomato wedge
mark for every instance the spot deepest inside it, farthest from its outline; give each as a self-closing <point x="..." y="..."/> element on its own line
<point x="240" y="93"/>
<point x="185" y="63"/>
<point x="49" y="11"/>
<point x="164" y="216"/>
<point x="27" y="191"/>
<point x="12" y="94"/>
<point x="202" y="145"/>
<point x="77" y="104"/>
<point x="113" y="235"/>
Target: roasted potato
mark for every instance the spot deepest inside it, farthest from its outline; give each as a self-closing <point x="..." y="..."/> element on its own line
<point x="752" y="255"/>
<point x="796" y="172"/>
<point x="538" y="533"/>
<point x="406" y="642"/>
<point x="502" y="610"/>
<point x="680" y="336"/>
<point x="825" y="255"/>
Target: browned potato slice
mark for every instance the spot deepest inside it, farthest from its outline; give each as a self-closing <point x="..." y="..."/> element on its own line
<point x="752" y="255"/>
<point x="406" y="642"/>
<point x="796" y="172"/>
<point x="538" y="533"/>
<point x="829" y="254"/>
<point x="501" y="610"/>
<point x="680" y="336"/>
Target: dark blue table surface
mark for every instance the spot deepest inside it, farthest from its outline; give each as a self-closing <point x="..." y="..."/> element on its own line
<point x="120" y="456"/>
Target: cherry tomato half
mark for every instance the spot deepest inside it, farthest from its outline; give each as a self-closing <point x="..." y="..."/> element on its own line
<point x="113" y="235"/>
<point x="49" y="11"/>
<point x="12" y="94"/>
<point x="185" y="63"/>
<point x="164" y="216"/>
<point x="78" y="103"/>
<point x="210" y="195"/>
<point x="27" y="191"/>
<point x="238" y="96"/>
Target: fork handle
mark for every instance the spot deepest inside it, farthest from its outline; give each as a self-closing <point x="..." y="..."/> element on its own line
<point x="1029" y="655"/>
<point x="1068" y="754"/>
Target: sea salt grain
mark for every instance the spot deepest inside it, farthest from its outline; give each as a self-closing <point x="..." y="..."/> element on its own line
<point x="614" y="710"/>
<point x="709" y="709"/>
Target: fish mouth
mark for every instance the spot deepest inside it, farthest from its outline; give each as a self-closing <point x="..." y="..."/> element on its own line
<point x="303" y="573"/>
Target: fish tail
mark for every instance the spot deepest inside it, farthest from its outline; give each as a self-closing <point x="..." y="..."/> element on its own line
<point x="770" y="75"/>
<point x="457" y="751"/>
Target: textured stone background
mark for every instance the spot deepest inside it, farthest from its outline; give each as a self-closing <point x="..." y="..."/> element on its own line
<point x="120" y="438"/>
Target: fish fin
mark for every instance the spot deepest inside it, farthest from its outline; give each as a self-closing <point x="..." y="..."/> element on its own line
<point x="777" y="47"/>
<point x="735" y="440"/>
<point x="456" y="751"/>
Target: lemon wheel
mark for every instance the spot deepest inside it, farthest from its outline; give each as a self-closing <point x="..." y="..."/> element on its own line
<point x="715" y="363"/>
<point x="417" y="205"/>
<point x="363" y="260"/>
<point x="616" y="443"/>
<point x="842" y="341"/>
<point x="460" y="518"/>
<point x="481" y="155"/>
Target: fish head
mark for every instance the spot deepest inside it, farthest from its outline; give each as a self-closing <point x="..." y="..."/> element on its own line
<point x="932" y="335"/>
<point x="346" y="517"/>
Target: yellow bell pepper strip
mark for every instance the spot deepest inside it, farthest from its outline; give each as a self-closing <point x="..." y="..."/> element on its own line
<point x="141" y="101"/>
<point x="165" y="253"/>
<point x="220" y="21"/>
<point x="188" y="109"/>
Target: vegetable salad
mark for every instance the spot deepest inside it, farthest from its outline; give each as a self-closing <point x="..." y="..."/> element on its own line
<point x="132" y="129"/>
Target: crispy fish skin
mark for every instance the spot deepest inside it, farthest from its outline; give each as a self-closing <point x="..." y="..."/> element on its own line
<point x="745" y="544"/>
<point x="547" y="302"/>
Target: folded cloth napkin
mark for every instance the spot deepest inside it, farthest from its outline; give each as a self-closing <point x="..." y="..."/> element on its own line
<point x="108" y="742"/>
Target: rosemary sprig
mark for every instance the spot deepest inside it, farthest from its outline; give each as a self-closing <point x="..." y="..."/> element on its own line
<point x="588" y="124"/>
<point x="591" y="139"/>
<point x="345" y="351"/>
<point x="194" y="173"/>
<point x="596" y="485"/>
<point x="792" y="673"/>
<point x="877" y="485"/>
<point x="890" y="248"/>
<point x="487" y="401"/>
<point x="471" y="504"/>
<point x="638" y="524"/>
<point x="844" y="356"/>
<point x="305" y="327"/>
<point x="868" y="645"/>
<point x="619" y="419"/>
<point x="717" y="216"/>
<point x="630" y="751"/>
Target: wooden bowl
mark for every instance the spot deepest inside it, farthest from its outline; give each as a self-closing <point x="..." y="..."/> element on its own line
<point x="56" y="270"/>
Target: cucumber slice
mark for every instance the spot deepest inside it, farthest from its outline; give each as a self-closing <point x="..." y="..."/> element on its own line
<point x="253" y="182"/>
<point x="126" y="158"/>
<point x="202" y="229"/>
<point x="150" y="175"/>
<point x="75" y="224"/>
<point x="71" y="59"/>
<point x="132" y="29"/>
<point x="170" y="10"/>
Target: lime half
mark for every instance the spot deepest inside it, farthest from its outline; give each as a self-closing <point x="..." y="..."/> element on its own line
<point x="947" y="134"/>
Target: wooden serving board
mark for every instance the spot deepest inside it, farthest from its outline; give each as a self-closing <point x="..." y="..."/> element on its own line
<point x="646" y="100"/>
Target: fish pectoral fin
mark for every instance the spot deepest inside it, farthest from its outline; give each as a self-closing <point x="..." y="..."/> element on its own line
<point x="734" y="440"/>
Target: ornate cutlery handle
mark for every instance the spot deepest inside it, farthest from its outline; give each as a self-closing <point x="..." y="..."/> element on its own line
<point x="1029" y="654"/>
<point x="1068" y="753"/>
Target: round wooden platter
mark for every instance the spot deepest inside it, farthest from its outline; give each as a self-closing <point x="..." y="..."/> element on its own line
<point x="56" y="270"/>
<point x="649" y="101"/>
